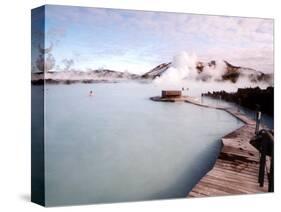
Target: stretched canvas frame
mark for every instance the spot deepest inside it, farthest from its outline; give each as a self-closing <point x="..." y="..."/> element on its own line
<point x="110" y="89"/>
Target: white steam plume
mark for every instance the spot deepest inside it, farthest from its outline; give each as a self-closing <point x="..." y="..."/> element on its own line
<point x="184" y="73"/>
<point x="182" y="67"/>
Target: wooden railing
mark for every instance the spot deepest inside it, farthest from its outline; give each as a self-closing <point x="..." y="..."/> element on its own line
<point x="264" y="142"/>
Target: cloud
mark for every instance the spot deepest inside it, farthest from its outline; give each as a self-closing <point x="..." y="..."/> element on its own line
<point x="154" y="37"/>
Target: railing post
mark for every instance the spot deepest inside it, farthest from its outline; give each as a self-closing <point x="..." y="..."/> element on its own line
<point x="238" y="106"/>
<point x="264" y="142"/>
<point x="271" y="171"/>
<point x="258" y="120"/>
<point x="262" y="163"/>
<point x="271" y="176"/>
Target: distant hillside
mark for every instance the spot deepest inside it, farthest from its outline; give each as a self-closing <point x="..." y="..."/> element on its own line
<point x="90" y="76"/>
<point x="232" y="73"/>
<point x="157" y="71"/>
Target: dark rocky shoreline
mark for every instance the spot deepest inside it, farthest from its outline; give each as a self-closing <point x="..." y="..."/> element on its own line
<point x="249" y="97"/>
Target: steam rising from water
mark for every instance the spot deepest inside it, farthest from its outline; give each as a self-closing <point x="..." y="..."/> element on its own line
<point x="184" y="74"/>
<point x="45" y="60"/>
<point x="68" y="63"/>
<point x="182" y="67"/>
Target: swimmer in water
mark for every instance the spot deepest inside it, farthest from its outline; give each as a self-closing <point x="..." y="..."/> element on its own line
<point x="91" y="93"/>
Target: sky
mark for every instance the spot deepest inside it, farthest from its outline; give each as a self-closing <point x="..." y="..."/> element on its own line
<point x="86" y="38"/>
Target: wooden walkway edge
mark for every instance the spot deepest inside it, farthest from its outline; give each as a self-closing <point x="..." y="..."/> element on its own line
<point x="236" y="169"/>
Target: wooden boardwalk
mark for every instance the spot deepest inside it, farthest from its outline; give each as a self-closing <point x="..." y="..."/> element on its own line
<point x="236" y="169"/>
<point x="237" y="166"/>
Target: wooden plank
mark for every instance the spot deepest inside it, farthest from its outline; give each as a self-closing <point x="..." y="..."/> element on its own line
<point x="230" y="178"/>
<point x="238" y="168"/>
<point x="233" y="181"/>
<point x="223" y="173"/>
<point x="242" y="170"/>
<point x="229" y="189"/>
<point x="195" y="194"/>
<point x="209" y="191"/>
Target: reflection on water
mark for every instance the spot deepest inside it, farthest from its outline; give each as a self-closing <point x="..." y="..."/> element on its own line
<point x="118" y="145"/>
<point x="265" y="119"/>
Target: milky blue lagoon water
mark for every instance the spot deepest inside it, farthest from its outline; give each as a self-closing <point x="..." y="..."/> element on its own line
<point x="265" y="119"/>
<point x="118" y="145"/>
